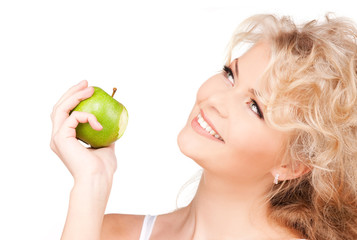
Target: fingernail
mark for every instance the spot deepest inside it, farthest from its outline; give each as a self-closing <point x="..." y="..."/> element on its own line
<point x="90" y="89"/>
<point x="81" y="82"/>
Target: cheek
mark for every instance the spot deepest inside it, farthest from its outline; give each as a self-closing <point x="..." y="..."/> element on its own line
<point x="254" y="150"/>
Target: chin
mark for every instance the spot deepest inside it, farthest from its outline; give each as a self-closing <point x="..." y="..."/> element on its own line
<point x="185" y="137"/>
<point x="189" y="145"/>
<point x="183" y="141"/>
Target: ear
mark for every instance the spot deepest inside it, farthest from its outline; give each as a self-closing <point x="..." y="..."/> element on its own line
<point x="290" y="171"/>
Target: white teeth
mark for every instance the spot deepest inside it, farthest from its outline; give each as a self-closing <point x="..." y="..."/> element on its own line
<point x="205" y="126"/>
<point x="200" y="119"/>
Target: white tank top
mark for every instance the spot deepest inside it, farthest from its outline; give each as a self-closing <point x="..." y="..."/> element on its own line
<point x="148" y="225"/>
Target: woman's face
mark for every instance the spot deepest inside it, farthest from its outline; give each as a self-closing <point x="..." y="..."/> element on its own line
<point x="244" y="148"/>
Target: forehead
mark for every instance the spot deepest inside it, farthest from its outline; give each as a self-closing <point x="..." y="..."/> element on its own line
<point x="256" y="58"/>
<point x="253" y="63"/>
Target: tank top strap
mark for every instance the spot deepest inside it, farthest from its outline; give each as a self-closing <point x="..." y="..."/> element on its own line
<point x="148" y="225"/>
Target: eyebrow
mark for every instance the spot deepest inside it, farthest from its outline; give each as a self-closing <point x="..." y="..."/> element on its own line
<point x="237" y="67"/>
<point x="254" y="92"/>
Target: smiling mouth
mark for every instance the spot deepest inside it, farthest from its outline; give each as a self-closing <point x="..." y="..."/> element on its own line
<point x="205" y="126"/>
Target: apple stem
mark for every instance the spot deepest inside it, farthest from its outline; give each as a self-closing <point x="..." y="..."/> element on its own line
<point x="114" y="90"/>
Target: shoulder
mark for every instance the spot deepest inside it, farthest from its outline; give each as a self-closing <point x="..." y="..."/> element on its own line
<point x="121" y="226"/>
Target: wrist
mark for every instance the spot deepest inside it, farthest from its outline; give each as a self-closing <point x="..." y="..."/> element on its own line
<point x="88" y="200"/>
<point x="96" y="184"/>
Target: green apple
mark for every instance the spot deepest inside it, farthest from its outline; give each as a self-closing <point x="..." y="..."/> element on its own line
<point x="110" y="113"/>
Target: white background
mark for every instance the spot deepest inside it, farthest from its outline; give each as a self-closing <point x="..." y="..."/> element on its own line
<point x="157" y="53"/>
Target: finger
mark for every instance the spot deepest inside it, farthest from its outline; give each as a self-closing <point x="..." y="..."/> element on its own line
<point x="63" y="110"/>
<point x="70" y="124"/>
<point x="71" y="102"/>
<point x="81" y="85"/>
<point x="112" y="146"/>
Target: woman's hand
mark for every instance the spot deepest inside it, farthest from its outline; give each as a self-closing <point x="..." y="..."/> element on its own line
<point x="92" y="169"/>
<point x="82" y="162"/>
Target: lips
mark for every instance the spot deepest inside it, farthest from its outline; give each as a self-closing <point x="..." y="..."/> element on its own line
<point x="203" y="126"/>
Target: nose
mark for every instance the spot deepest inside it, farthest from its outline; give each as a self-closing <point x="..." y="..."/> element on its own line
<point x="218" y="102"/>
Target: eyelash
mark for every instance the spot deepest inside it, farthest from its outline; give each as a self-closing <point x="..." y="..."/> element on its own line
<point x="252" y="102"/>
<point x="229" y="75"/>
<point x="228" y="71"/>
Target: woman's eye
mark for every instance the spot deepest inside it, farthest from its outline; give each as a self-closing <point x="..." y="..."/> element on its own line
<point x="255" y="108"/>
<point x="229" y="74"/>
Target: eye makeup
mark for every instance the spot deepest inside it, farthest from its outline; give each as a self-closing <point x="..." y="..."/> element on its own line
<point x="229" y="74"/>
<point x="253" y="105"/>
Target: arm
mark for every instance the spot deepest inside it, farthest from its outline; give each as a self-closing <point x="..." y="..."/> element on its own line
<point x="92" y="169"/>
<point x="86" y="210"/>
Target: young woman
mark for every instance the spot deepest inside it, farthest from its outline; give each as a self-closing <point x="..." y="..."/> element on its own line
<point x="275" y="133"/>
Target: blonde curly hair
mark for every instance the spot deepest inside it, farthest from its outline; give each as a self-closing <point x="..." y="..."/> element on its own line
<point x="309" y="89"/>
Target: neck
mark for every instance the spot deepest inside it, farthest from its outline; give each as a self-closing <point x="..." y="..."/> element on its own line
<point x="223" y="210"/>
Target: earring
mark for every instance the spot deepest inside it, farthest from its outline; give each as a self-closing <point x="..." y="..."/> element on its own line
<point x="276" y="179"/>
